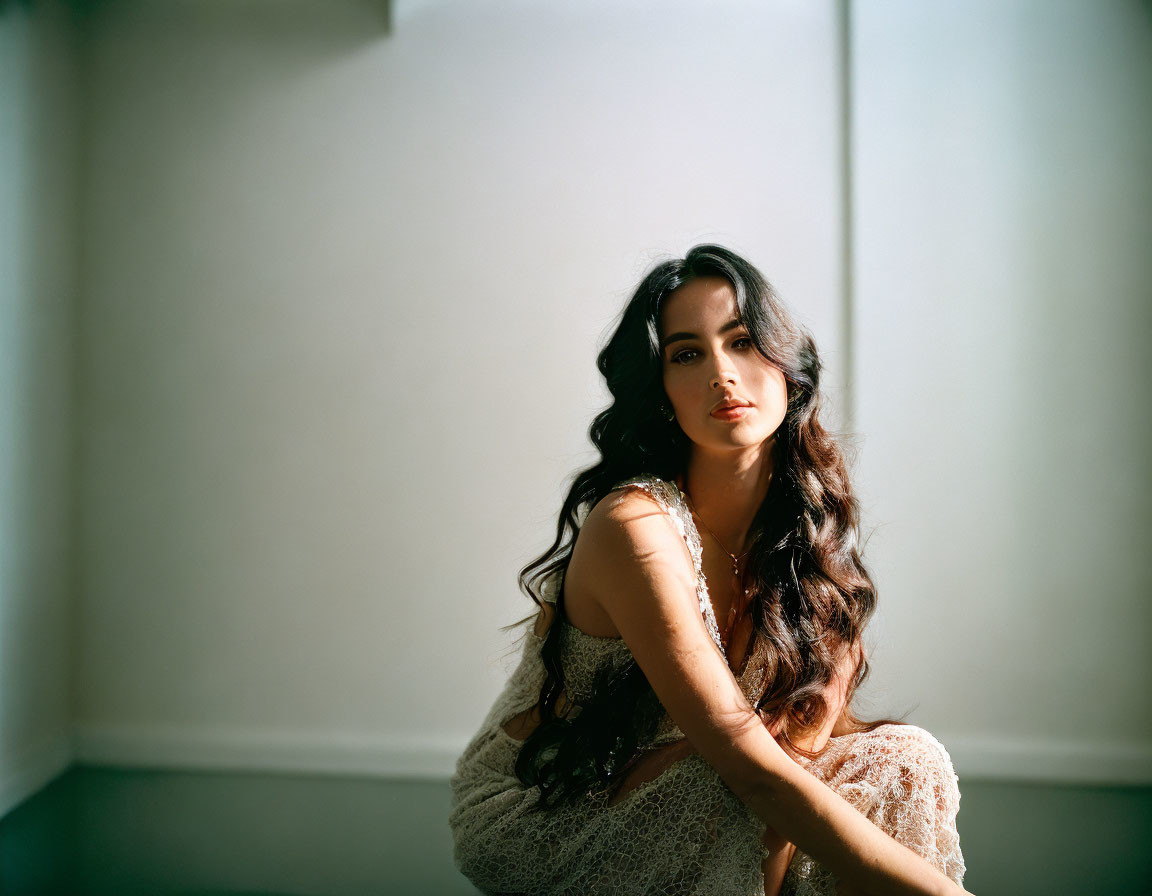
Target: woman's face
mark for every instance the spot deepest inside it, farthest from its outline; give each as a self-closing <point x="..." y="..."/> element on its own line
<point x="708" y="360"/>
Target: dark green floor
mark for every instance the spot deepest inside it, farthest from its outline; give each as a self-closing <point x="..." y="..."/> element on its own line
<point x="107" y="831"/>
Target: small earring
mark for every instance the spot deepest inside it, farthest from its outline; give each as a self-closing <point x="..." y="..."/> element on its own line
<point x="669" y="414"/>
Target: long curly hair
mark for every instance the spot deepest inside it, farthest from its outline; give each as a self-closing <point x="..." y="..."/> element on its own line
<point x="811" y="596"/>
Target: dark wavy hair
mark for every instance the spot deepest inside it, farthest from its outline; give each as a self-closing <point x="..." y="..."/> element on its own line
<point x="811" y="596"/>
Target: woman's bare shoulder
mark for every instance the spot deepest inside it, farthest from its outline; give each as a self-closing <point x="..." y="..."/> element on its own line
<point x="626" y="525"/>
<point x="625" y="502"/>
<point x="627" y="536"/>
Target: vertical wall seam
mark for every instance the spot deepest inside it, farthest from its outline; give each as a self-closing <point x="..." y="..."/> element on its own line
<point x="847" y="231"/>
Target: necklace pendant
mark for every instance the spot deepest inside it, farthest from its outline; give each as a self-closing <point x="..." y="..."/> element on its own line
<point x="736" y="567"/>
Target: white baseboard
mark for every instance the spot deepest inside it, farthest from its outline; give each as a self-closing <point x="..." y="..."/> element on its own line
<point x="975" y="758"/>
<point x="1050" y="761"/>
<point x="28" y="772"/>
<point x="222" y="749"/>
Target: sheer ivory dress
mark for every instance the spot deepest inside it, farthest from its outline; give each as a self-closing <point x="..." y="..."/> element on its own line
<point x="683" y="832"/>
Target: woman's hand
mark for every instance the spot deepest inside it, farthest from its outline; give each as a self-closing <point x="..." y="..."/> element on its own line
<point x="775" y="867"/>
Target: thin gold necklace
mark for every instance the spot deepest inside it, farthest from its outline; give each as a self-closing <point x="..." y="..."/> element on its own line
<point x="735" y="560"/>
<point x="727" y="630"/>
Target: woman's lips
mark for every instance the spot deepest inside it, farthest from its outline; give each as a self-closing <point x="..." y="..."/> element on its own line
<point x="734" y="413"/>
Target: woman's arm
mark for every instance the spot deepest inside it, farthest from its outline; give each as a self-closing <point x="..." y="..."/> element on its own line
<point x="780" y="851"/>
<point x="636" y="564"/>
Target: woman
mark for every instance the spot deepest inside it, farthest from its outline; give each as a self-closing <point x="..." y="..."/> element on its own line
<point x="681" y="712"/>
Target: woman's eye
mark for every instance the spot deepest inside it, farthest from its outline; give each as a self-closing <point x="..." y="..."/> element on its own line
<point x="681" y="357"/>
<point x="744" y="339"/>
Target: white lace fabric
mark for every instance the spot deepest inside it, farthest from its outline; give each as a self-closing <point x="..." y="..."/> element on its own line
<point x="684" y="832"/>
<point x="901" y="779"/>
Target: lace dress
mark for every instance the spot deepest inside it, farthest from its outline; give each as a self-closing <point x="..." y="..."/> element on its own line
<point x="683" y="832"/>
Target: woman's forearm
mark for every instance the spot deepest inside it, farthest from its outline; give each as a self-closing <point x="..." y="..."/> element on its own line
<point x="781" y="851"/>
<point x="807" y="812"/>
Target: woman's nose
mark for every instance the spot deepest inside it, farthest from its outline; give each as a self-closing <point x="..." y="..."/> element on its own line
<point x="724" y="374"/>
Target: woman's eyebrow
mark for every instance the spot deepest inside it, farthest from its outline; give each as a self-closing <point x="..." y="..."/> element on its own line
<point x="677" y="337"/>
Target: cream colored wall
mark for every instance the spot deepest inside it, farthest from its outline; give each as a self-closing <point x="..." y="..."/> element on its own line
<point x="343" y="296"/>
<point x="37" y="250"/>
<point x="1003" y="303"/>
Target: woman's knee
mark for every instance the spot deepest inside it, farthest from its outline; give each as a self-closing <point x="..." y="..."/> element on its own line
<point x="902" y="766"/>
